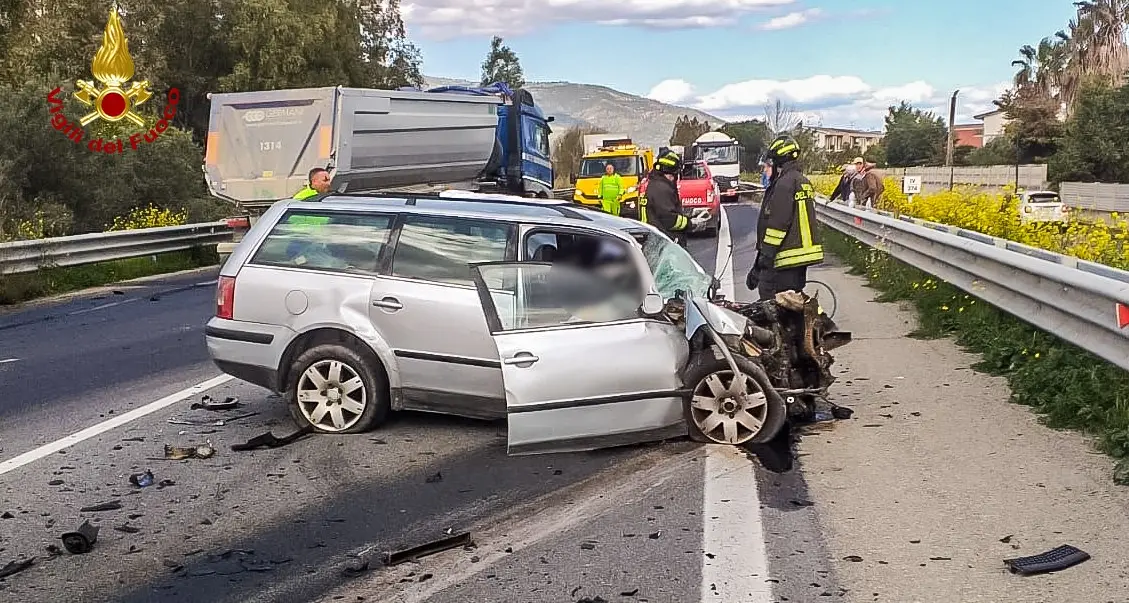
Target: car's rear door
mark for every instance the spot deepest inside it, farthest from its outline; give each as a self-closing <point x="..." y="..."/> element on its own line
<point x="580" y="370"/>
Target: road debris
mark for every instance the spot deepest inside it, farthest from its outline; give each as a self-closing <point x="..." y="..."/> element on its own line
<point x="142" y="480"/>
<point x="269" y="440"/>
<point x="435" y="479"/>
<point x="208" y="403"/>
<point x="1054" y="560"/>
<point x="15" y="567"/>
<point x="853" y="558"/>
<point x="429" y="548"/>
<point x="209" y="422"/>
<point x="127" y="529"/>
<point x="596" y="599"/>
<point x="355" y="567"/>
<point x="81" y="540"/>
<point x="112" y="505"/>
<point x="178" y="453"/>
<point x="629" y="593"/>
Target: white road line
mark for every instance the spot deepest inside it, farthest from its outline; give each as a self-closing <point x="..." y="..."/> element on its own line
<point x="206" y="283"/>
<point x="6" y="361"/>
<point x="79" y="436"/>
<point x="102" y="307"/>
<point x="732" y="529"/>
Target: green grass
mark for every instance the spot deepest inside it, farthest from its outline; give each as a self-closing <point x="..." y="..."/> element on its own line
<point x="1069" y="387"/>
<point x="18" y="288"/>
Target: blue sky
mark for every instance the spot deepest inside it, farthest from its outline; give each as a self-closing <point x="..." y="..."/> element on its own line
<point x="837" y="62"/>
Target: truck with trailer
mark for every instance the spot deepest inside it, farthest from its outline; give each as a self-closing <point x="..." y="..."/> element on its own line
<point x="723" y="154"/>
<point x="261" y="145"/>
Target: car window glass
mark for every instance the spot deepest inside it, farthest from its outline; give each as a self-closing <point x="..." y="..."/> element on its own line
<point x="319" y="241"/>
<point x="674" y="268"/>
<point x="550" y="295"/>
<point x="442" y="250"/>
<point x="609" y="258"/>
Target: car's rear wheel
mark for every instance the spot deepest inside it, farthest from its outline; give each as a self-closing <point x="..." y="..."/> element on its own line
<point x="334" y="389"/>
<point x="724" y="409"/>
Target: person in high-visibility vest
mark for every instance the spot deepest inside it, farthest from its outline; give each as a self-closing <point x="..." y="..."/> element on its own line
<point x="788" y="238"/>
<point x="611" y="187"/>
<point x="318" y="184"/>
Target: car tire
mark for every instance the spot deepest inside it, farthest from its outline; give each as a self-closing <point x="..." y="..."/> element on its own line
<point x="771" y="415"/>
<point x="354" y="411"/>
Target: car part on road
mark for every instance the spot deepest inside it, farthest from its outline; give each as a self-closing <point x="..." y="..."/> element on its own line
<point x="209" y="422"/>
<point x="1056" y="559"/>
<point x="207" y="403"/>
<point x="430" y="548"/>
<point x="731" y="409"/>
<point x="335" y="390"/>
<point x="81" y="540"/>
<point x="269" y="440"/>
<point x="15" y="567"/>
<point x="179" y="453"/>
<point x="112" y="505"/>
<point x="142" y="480"/>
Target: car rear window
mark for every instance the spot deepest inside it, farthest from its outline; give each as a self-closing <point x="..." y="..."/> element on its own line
<point x="321" y="241"/>
<point x="442" y="249"/>
<point x="1043" y="198"/>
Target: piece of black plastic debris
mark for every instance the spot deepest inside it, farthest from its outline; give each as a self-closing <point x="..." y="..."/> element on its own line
<point x="841" y="412"/>
<point x="629" y="593"/>
<point x="596" y="599"/>
<point x="112" y="505"/>
<point x="7" y="515"/>
<point x="165" y="483"/>
<point x="142" y="480"/>
<point x="81" y="540"/>
<point x="434" y="479"/>
<point x="426" y="577"/>
<point x="355" y="567"/>
<point x="429" y="548"/>
<point x="799" y="502"/>
<point x="1006" y="539"/>
<point x="269" y="440"/>
<point x="655" y="535"/>
<point x="116" y="292"/>
<point x="55" y="482"/>
<point x="178" y="453"/>
<point x="15" y="567"/>
<point x="574" y="591"/>
<point x="208" y="403"/>
<point x="127" y="529"/>
<point x="588" y="546"/>
<point x="1053" y="560"/>
<point x="378" y="441"/>
<point x="853" y="558"/>
<point x="53" y="550"/>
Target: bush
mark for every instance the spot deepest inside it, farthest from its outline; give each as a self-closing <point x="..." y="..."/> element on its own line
<point x="997" y="214"/>
<point x="149" y="217"/>
<point x="1068" y="386"/>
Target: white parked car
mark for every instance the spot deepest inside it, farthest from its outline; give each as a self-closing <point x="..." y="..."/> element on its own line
<point x="1042" y="206"/>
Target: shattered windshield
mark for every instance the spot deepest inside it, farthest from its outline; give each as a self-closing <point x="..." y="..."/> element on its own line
<point x="674" y="268"/>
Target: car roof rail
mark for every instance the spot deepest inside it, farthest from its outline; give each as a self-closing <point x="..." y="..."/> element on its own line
<point x="564" y="208"/>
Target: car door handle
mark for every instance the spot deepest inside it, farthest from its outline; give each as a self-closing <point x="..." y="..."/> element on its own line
<point x="388" y="303"/>
<point x="521" y="358"/>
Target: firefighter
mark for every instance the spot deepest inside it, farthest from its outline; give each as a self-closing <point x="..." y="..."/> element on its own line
<point x="319" y="183"/>
<point x="662" y="207"/>
<point x="787" y="235"/>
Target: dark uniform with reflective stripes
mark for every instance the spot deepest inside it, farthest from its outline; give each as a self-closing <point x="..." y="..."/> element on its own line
<point x="662" y="207"/>
<point x="787" y="236"/>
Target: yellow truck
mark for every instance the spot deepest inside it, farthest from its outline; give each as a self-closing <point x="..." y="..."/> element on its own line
<point x="631" y="162"/>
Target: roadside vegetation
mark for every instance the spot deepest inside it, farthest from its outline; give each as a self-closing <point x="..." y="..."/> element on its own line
<point x="1067" y="386"/>
<point x="997" y="214"/>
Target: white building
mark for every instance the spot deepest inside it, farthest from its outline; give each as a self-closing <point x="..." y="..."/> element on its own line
<point x="838" y="139"/>
<point x="994" y="122"/>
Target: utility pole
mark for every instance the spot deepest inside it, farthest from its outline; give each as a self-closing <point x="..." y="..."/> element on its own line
<point x="952" y="137"/>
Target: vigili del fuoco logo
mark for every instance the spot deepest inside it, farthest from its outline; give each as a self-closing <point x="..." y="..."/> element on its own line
<point x="113" y="102"/>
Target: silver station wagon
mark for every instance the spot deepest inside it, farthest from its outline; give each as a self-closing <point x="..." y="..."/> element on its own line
<point x="538" y="311"/>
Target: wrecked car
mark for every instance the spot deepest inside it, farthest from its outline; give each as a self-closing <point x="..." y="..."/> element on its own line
<point x="584" y="330"/>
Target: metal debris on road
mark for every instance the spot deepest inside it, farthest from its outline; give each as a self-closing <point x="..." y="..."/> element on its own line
<point x="15" y="567"/>
<point x="209" y="422"/>
<point x="269" y="440"/>
<point x="112" y="505"/>
<point x="142" y="480"/>
<point x="178" y="453"/>
<point x="81" y="540"/>
<point x="427" y="549"/>
<point x="208" y="403"/>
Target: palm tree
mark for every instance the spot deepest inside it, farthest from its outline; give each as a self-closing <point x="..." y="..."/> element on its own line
<point x="1100" y="37"/>
<point x="1041" y="66"/>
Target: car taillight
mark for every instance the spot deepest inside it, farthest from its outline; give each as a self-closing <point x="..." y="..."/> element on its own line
<point x="225" y="297"/>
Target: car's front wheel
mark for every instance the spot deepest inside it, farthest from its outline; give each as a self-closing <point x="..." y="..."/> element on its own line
<point x="727" y="409"/>
<point x="333" y="389"/>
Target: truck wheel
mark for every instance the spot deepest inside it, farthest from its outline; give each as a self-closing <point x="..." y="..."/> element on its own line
<point x="723" y="410"/>
<point x="334" y="389"/>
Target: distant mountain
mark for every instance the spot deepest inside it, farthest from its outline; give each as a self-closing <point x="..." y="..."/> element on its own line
<point x="649" y="122"/>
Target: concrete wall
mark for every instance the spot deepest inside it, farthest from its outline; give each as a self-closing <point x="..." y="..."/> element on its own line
<point x="1031" y="177"/>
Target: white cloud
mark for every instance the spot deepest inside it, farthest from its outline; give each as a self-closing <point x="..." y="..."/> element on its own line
<point x="446" y="19"/>
<point x="844" y="101"/>
<point x="790" y="20"/>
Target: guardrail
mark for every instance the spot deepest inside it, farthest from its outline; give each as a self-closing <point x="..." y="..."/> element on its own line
<point x="1078" y="301"/>
<point x="29" y="256"/>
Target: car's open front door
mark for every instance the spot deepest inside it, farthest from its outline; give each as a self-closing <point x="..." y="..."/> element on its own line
<point x="582" y="368"/>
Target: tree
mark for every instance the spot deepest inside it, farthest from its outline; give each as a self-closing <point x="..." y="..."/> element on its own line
<point x="998" y="151"/>
<point x="568" y="150"/>
<point x="780" y="118"/>
<point x="1034" y="123"/>
<point x="687" y="130"/>
<point x="1094" y="147"/>
<point x="502" y="65"/>
<point x="752" y="135"/>
<point x="913" y="137"/>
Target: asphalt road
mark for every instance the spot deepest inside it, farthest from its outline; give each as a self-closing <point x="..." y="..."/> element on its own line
<point x="906" y="502"/>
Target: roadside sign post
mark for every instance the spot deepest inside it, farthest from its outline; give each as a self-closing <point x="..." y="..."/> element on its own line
<point x="911" y="185"/>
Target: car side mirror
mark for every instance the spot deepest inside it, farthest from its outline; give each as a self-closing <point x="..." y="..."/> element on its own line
<point x="652" y="305"/>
